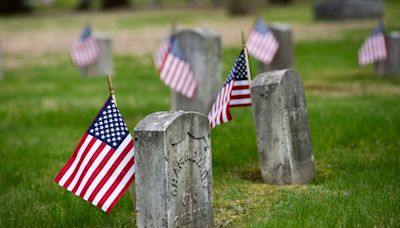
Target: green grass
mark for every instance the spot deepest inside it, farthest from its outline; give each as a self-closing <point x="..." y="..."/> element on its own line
<point x="353" y="117"/>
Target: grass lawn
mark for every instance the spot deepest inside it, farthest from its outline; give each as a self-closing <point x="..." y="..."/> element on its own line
<point x="353" y="116"/>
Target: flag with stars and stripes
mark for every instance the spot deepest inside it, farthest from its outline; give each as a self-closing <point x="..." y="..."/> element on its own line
<point x="102" y="166"/>
<point x="261" y="42"/>
<point x="176" y="72"/>
<point x="374" y="47"/>
<point x="161" y="52"/>
<point x="85" y="51"/>
<point x="234" y="93"/>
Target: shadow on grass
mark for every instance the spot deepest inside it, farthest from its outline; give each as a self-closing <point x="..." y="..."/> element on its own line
<point x="323" y="174"/>
<point x="252" y="173"/>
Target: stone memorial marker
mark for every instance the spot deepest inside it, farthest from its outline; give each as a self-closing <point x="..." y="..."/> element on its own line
<point x="283" y="136"/>
<point x="104" y="65"/>
<point x="202" y="49"/>
<point x="284" y="57"/>
<point x="173" y="170"/>
<point x="391" y="66"/>
<point x="347" y="9"/>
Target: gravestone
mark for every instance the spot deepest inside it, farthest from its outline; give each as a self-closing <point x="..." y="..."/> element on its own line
<point x="202" y="49"/>
<point x="284" y="57"/>
<point x="104" y="65"/>
<point x="391" y="66"/>
<point x="283" y="136"/>
<point x="347" y="9"/>
<point x="173" y="170"/>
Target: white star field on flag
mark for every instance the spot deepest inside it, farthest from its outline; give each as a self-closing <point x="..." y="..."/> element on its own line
<point x="109" y="126"/>
<point x="234" y="93"/>
<point x="103" y="164"/>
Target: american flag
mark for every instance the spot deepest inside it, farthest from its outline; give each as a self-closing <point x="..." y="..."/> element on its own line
<point x="102" y="166"/>
<point x="234" y="93"/>
<point x="85" y="51"/>
<point x="261" y="42"/>
<point x="161" y="52"/>
<point x="374" y="47"/>
<point x="176" y="72"/>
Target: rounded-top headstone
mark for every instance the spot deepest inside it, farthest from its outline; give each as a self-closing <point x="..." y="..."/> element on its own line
<point x="104" y="64"/>
<point x="173" y="170"/>
<point x="390" y="66"/>
<point x="283" y="136"/>
<point x="284" y="57"/>
<point x="202" y="49"/>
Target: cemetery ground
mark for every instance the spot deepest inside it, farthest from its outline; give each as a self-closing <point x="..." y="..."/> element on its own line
<point x="353" y="117"/>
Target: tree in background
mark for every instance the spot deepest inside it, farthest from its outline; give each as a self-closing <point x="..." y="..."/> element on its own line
<point x="14" y="6"/>
<point x="83" y="4"/>
<point x="243" y="7"/>
<point x="238" y="7"/>
<point x="279" y="1"/>
<point x="108" y="4"/>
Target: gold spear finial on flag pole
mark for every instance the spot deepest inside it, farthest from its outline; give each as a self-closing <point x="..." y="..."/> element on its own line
<point x="246" y="55"/>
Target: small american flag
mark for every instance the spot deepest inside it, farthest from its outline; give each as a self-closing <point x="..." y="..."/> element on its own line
<point x="85" y="51"/>
<point x="261" y="42"/>
<point x="374" y="47"/>
<point x="161" y="52"/>
<point x="234" y="93"/>
<point x="176" y="72"/>
<point x="102" y="166"/>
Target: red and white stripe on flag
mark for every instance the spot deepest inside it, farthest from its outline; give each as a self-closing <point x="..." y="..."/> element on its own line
<point x="177" y="74"/>
<point x="85" y="52"/>
<point x="262" y="46"/>
<point x="220" y="111"/>
<point x="240" y="95"/>
<point x="373" y="49"/>
<point x="234" y="93"/>
<point x="161" y="53"/>
<point x="103" y="165"/>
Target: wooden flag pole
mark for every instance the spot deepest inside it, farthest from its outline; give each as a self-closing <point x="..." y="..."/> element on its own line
<point x="112" y="94"/>
<point x="111" y="88"/>
<point x="246" y="55"/>
<point x="173" y="93"/>
<point x="173" y="28"/>
<point x="380" y="64"/>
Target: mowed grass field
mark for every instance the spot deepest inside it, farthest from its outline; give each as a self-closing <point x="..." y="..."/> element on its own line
<point x="354" y="119"/>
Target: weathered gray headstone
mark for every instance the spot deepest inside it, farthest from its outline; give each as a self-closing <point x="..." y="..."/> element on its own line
<point x="391" y="66"/>
<point x="173" y="170"/>
<point x="284" y="57"/>
<point x="104" y="65"/>
<point x="283" y="136"/>
<point x="347" y="9"/>
<point x="202" y="49"/>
